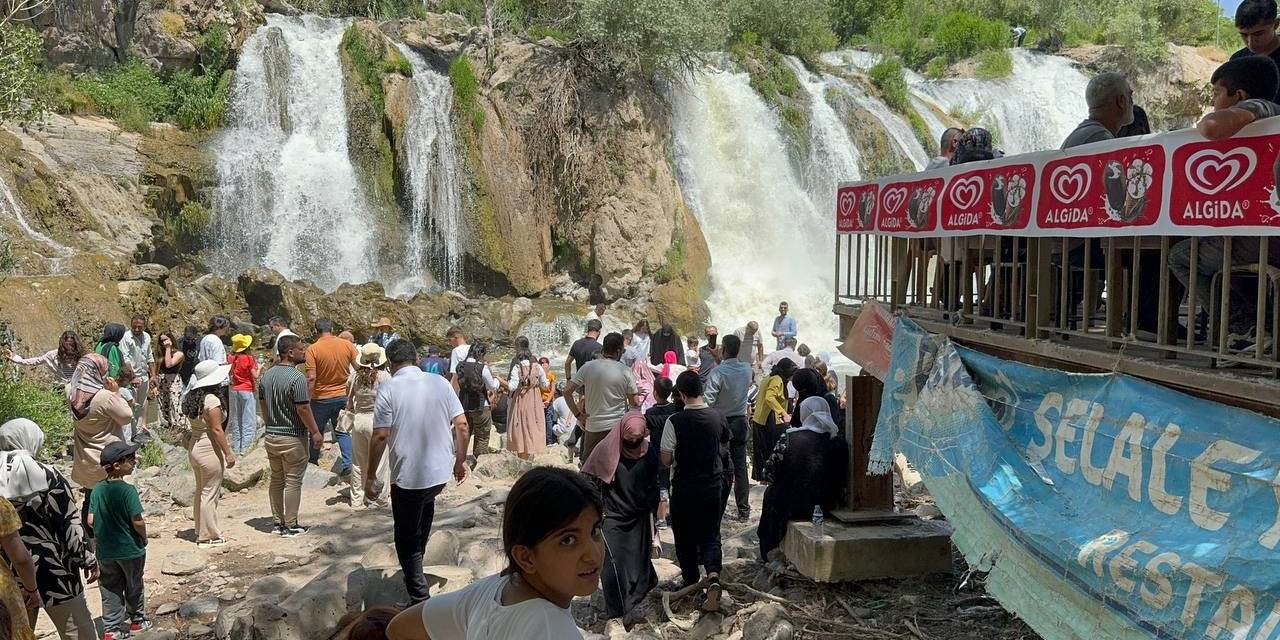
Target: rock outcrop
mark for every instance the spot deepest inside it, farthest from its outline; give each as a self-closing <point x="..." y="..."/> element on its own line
<point x="1174" y="91"/>
<point x="82" y="35"/>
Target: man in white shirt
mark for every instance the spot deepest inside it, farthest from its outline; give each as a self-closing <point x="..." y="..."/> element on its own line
<point x="135" y="347"/>
<point x="280" y="327"/>
<point x="458" y="342"/>
<point x="418" y="419"/>
<point x="753" y="348"/>
<point x="610" y="392"/>
<point x="788" y="351"/>
<point x="211" y="345"/>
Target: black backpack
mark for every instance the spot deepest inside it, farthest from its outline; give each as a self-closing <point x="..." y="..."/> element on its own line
<point x="471" y="388"/>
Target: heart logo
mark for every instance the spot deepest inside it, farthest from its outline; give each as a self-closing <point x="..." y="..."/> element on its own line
<point x="1070" y="183"/>
<point x="893" y="199"/>
<point x="847" y="200"/>
<point x="1212" y="172"/>
<point x="966" y="193"/>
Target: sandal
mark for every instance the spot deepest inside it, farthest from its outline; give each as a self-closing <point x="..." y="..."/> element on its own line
<point x="205" y="544"/>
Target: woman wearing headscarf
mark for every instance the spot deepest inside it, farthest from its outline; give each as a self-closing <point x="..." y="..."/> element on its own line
<point x="191" y="339"/>
<point x="109" y="347"/>
<point x="205" y="406"/>
<point x="51" y="530"/>
<point x="670" y="367"/>
<point x="61" y="361"/>
<point x="640" y="368"/>
<point x="362" y="391"/>
<point x="666" y="339"/>
<point x="807" y="467"/>
<point x="526" y="419"/>
<point x="628" y="468"/>
<point x="770" y="416"/>
<point x="99" y="414"/>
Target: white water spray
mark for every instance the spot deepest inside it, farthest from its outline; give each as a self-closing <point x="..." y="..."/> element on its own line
<point x="10" y="204"/>
<point x="288" y="197"/>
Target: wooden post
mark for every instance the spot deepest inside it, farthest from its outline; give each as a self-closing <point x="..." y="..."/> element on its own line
<point x="862" y="410"/>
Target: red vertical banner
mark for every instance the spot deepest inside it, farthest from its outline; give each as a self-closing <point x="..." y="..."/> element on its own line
<point x="1111" y="189"/>
<point x="910" y="206"/>
<point x="990" y="199"/>
<point x="1225" y="183"/>
<point x="856" y="207"/>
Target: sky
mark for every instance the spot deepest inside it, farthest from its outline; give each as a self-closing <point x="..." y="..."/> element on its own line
<point x="1228" y="7"/>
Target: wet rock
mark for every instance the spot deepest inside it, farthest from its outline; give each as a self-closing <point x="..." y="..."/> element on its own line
<point x="205" y="605"/>
<point x="184" y="562"/>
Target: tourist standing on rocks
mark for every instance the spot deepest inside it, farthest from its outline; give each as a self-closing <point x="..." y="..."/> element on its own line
<point x="693" y="443"/>
<point x="169" y="384"/>
<point x="51" y="529"/>
<point x="284" y="401"/>
<point x="329" y="362"/>
<point x="420" y="423"/>
<point x="597" y="313"/>
<point x="366" y="380"/>
<point x="211" y="345"/>
<point x="551" y="535"/>
<point x="434" y="363"/>
<point x="666" y="339"/>
<point x="61" y="362"/>
<point x="726" y="391"/>
<point x="115" y="513"/>
<point x="109" y="348"/>
<point x="458" y="344"/>
<point x="476" y="385"/>
<point x="583" y="350"/>
<point x="136" y="349"/>
<point x="709" y="354"/>
<point x="384" y="334"/>
<point x="692" y="354"/>
<point x="806" y="468"/>
<point x="190" y="346"/>
<point x="784" y="326"/>
<point x="641" y="341"/>
<point x="205" y="407"/>
<point x="628" y="469"/>
<point x="610" y="392"/>
<point x="16" y="598"/>
<point x="548" y="396"/>
<point x="786" y="352"/>
<point x="245" y="371"/>
<point x="770" y="418"/>
<point x="655" y="419"/>
<point x="279" y="328"/>
<point x="526" y="419"/>
<point x="98" y="413"/>
<point x="562" y="413"/>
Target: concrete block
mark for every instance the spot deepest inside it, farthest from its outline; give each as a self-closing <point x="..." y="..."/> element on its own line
<point x="839" y="552"/>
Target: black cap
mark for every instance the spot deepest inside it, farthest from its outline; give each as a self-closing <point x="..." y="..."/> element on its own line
<point x="117" y="451"/>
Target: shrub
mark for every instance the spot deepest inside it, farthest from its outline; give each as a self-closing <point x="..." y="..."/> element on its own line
<point x="58" y="92"/>
<point x="889" y="79"/>
<point x="996" y="63"/>
<point x="960" y="35"/>
<point x="539" y="32"/>
<point x="651" y="37"/>
<point x="799" y="27"/>
<point x="187" y="229"/>
<point x="937" y="68"/>
<point x="132" y="90"/>
<point x="466" y="91"/>
<point x="21" y="51"/>
<point x="40" y="401"/>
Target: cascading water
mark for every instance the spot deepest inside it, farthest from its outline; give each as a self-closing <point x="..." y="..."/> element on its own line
<point x="1031" y="110"/>
<point x="288" y="197"/>
<point x="769" y="240"/>
<point x="435" y="240"/>
<point x="832" y="159"/>
<point x="10" y="204"/>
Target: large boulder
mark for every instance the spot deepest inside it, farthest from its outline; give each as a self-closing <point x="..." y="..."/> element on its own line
<point x="440" y="37"/>
<point x="249" y="470"/>
<point x="311" y="612"/>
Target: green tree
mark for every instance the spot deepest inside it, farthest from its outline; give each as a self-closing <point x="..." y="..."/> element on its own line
<point x="21" y="51"/>
<point x="662" y="37"/>
<point x="857" y="17"/>
<point x="798" y="27"/>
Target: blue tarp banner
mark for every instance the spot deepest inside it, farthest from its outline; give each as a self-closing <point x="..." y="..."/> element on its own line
<point x="1104" y="506"/>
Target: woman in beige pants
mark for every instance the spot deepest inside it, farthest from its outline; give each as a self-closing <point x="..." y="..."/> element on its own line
<point x="205" y="406"/>
<point x="362" y="391"/>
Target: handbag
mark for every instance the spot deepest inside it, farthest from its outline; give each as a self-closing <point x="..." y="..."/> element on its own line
<point x="346" y="421"/>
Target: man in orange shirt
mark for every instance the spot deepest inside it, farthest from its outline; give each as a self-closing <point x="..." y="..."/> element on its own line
<point x="329" y="362"/>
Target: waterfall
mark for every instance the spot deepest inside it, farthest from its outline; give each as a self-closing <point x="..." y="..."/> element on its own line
<point x="287" y="195"/>
<point x="769" y="240"/>
<point x="431" y="175"/>
<point x="1031" y="110"/>
<point x="832" y="158"/>
<point x="10" y="204"/>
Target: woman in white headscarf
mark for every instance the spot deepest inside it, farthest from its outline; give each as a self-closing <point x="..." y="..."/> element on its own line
<point x="808" y="466"/>
<point x="51" y="529"/>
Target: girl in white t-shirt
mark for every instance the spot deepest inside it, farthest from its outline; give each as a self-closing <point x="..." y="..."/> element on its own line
<point x="551" y="535"/>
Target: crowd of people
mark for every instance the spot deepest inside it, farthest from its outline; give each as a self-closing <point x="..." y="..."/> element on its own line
<point x="661" y="427"/>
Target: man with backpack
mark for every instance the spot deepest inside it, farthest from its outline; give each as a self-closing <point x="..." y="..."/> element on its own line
<point x="475" y="383"/>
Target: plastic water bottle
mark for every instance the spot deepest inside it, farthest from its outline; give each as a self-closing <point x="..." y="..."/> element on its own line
<point x="817" y="515"/>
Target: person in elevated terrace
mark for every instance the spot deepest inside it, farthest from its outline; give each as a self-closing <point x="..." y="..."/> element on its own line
<point x="947" y="148"/>
<point x="1235" y="85"/>
<point x="1256" y="22"/>
<point x="1110" y="100"/>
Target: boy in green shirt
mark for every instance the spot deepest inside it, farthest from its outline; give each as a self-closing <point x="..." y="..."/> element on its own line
<point x="115" y="513"/>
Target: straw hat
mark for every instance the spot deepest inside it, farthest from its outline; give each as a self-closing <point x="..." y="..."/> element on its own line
<point x="372" y="356"/>
<point x="240" y="342"/>
<point x="208" y="374"/>
<point x="382" y="323"/>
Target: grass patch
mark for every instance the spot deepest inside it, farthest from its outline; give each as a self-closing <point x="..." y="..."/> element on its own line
<point x="150" y="455"/>
<point x="937" y="68"/>
<point x="921" y="129"/>
<point x="371" y="66"/>
<point x="887" y="76"/>
<point x="538" y="32"/>
<point x="37" y="399"/>
<point x="673" y="265"/>
<point x="993" y="64"/>
<point x="466" y="93"/>
<point x="187" y="228"/>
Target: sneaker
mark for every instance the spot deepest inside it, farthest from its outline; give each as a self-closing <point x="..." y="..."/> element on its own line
<point x="278" y="529"/>
<point x="294" y="531"/>
<point x="112" y="635"/>
<point x="139" y="627"/>
<point x="744" y="516"/>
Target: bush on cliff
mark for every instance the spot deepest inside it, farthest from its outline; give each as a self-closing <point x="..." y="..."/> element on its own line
<point x="650" y="37"/>
<point x="21" y="51"/>
<point x="40" y="401"/>
<point x="800" y="27"/>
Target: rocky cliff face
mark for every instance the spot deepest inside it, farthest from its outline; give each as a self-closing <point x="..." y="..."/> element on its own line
<point x="1174" y="92"/>
<point x="82" y="35"/>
